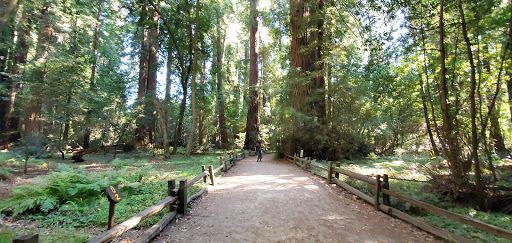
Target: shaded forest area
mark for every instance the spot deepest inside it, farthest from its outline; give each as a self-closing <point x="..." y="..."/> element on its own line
<point x="337" y="79"/>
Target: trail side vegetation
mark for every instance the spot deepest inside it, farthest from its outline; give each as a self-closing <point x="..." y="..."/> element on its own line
<point x="134" y="92"/>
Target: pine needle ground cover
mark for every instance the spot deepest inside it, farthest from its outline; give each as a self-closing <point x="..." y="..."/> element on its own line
<point x="415" y="169"/>
<point x="70" y="198"/>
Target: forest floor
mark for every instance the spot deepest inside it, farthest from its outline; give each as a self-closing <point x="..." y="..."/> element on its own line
<point x="275" y="201"/>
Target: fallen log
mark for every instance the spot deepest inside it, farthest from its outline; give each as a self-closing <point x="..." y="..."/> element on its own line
<point x="77" y="156"/>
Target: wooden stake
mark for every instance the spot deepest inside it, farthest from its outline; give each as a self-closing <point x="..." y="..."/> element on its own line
<point x="182" y="197"/>
<point x="377" y="193"/>
<point x="329" y="172"/>
<point x="111" y="210"/>
<point x="171" y="184"/>
<point x="212" y="175"/>
<point x="204" y="169"/>
<point x="385" y="185"/>
<point x="337" y="174"/>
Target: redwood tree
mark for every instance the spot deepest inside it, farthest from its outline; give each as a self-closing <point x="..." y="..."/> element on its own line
<point x="253" y="103"/>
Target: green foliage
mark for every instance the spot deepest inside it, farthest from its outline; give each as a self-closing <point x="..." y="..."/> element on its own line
<point x="501" y="220"/>
<point x="410" y="167"/>
<point x="73" y="197"/>
<point x="128" y="162"/>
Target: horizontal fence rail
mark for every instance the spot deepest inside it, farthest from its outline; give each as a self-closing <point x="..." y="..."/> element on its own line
<point x="333" y="171"/>
<point x="176" y="195"/>
<point x="133" y="221"/>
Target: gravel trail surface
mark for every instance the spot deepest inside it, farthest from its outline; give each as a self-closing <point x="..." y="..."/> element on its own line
<point x="275" y="201"/>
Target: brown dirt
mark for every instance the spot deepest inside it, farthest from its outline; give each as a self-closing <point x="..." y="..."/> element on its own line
<point x="275" y="201"/>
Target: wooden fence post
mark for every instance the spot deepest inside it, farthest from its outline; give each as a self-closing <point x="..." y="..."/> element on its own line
<point x="204" y="169"/>
<point x="182" y="197"/>
<point x="337" y="174"/>
<point x="225" y="163"/>
<point x="171" y="184"/>
<point x="385" y="185"/>
<point x="377" y="193"/>
<point x="212" y="176"/>
<point x="329" y="172"/>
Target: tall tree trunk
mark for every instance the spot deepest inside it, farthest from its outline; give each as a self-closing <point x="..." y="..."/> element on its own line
<point x="200" y="137"/>
<point x="65" y="136"/>
<point x="183" y="105"/>
<point x="20" y="57"/>
<point x="253" y="102"/>
<point x="479" y="186"/>
<point x="190" y="140"/>
<point x="92" y="87"/>
<point x="319" y="64"/>
<point x="452" y="150"/>
<point x="168" y="80"/>
<point x="32" y="122"/>
<point x="422" y="90"/>
<point x="298" y="60"/>
<point x="140" y="131"/>
<point x="152" y="76"/>
<point x="221" y="114"/>
<point x="161" y="124"/>
<point x="427" y="119"/>
<point x="168" y="83"/>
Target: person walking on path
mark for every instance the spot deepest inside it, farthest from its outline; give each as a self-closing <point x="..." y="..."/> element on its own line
<point x="258" y="152"/>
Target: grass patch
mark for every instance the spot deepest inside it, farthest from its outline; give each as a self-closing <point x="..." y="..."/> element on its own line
<point x="72" y="197"/>
<point x="411" y="167"/>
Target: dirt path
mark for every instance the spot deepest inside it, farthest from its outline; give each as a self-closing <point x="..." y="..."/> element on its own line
<point x="275" y="201"/>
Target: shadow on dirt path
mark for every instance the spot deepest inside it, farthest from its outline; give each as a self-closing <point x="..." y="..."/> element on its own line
<point x="275" y="201"/>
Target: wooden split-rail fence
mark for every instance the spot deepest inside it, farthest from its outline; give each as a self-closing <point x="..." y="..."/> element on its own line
<point x="382" y="187"/>
<point x="176" y="202"/>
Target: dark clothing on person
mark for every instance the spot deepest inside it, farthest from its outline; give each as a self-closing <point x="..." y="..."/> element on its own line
<point x="258" y="152"/>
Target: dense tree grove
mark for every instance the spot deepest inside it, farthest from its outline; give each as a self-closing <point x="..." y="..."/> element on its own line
<point x="337" y="79"/>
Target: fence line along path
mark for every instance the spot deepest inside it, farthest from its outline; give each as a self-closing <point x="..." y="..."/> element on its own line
<point x="273" y="201"/>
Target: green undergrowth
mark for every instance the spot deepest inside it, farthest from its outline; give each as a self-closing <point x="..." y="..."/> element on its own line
<point x="53" y="235"/>
<point x="412" y="168"/>
<point x="71" y="197"/>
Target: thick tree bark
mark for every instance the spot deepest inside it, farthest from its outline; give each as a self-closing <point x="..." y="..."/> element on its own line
<point x="190" y="140"/>
<point x="318" y="41"/>
<point x="32" y="122"/>
<point x="479" y="186"/>
<point x="141" y="130"/>
<point x="253" y="102"/>
<point x="152" y="76"/>
<point x="298" y="60"/>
